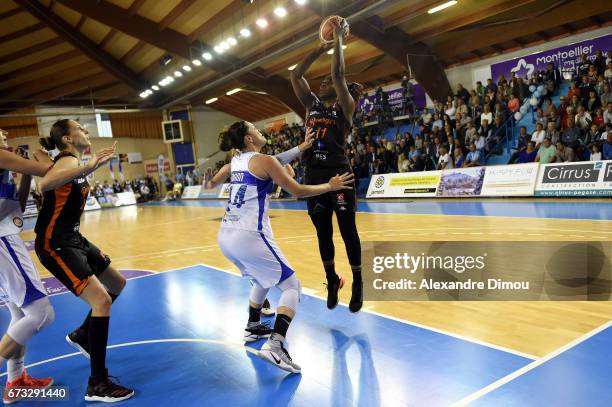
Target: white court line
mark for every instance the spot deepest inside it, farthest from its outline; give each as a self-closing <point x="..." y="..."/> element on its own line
<point x="123" y="345"/>
<point x="429" y="328"/>
<point x="506" y="379"/>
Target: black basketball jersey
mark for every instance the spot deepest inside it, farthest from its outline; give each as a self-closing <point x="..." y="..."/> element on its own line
<point x="331" y="129"/>
<point x="60" y="215"/>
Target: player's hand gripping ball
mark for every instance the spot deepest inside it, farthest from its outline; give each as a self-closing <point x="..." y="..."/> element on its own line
<point x="329" y="24"/>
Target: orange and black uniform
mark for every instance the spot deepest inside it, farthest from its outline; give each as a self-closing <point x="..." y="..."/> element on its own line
<point x="59" y="245"/>
<point x="327" y="157"/>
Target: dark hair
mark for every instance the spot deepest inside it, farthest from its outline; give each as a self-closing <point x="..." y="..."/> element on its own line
<point x="355" y="89"/>
<point x="58" y="130"/>
<point x="234" y="136"/>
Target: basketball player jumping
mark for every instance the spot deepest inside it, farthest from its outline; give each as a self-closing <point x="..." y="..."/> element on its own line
<point x="78" y="264"/>
<point x="246" y="237"/>
<point x="19" y="281"/>
<point x="329" y="115"/>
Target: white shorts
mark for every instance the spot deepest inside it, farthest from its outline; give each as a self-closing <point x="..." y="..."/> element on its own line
<point x="256" y="255"/>
<point x="19" y="280"/>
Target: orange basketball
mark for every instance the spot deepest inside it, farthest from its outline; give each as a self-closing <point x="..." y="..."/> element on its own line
<point x="326" y="31"/>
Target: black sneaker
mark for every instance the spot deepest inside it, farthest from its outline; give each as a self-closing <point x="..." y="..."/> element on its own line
<point x="106" y="391"/>
<point x="266" y="309"/>
<point x="333" y="286"/>
<point x="79" y="339"/>
<point x="263" y="330"/>
<point x="356" y="296"/>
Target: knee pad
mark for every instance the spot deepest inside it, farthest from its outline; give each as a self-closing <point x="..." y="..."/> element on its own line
<point x="291" y="291"/>
<point x="41" y="312"/>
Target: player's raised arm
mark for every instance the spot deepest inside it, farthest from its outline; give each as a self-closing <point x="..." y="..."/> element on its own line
<point x="337" y="71"/>
<point x="299" y="83"/>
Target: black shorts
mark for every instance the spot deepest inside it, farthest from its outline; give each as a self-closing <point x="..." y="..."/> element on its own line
<point x="72" y="261"/>
<point x="344" y="200"/>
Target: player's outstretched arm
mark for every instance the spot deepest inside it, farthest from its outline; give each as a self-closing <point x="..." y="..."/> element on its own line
<point x="288" y="156"/>
<point x="279" y="175"/>
<point x="337" y="73"/>
<point x="219" y="177"/>
<point x="11" y="161"/>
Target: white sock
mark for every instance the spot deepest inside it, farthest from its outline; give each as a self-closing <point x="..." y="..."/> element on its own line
<point x="14" y="368"/>
<point x="252" y="324"/>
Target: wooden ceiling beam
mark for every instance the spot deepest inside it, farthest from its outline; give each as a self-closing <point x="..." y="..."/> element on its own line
<point x="83" y="43"/>
<point x="22" y="33"/>
<point x="30" y="50"/>
<point x="560" y="16"/>
<point x="40" y="65"/>
<point x="411" y="11"/>
<point x="175" y="13"/>
<point x="11" y="13"/>
<point x="479" y="15"/>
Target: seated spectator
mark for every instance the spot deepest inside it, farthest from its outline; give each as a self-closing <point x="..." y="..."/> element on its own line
<point x="444" y="162"/>
<point x="426" y="117"/>
<point x="437" y="121"/>
<point x="598" y="118"/>
<point x="540" y="118"/>
<point x="555" y="119"/>
<point x="593" y="102"/>
<point x="538" y="135"/>
<point x="592" y="75"/>
<point x="473" y="158"/>
<point x="571" y="135"/>
<point x="546" y="153"/>
<point x="592" y="136"/>
<point x="403" y="163"/>
<point x="608" y="72"/>
<point x="595" y="153"/>
<point x="564" y="154"/>
<point x="585" y="87"/>
<point x="583" y="66"/>
<point x="608" y="114"/>
<point x="486" y="115"/>
<point x="145" y="192"/>
<point x="514" y="104"/>
<point x="606" y="150"/>
<point x="459" y="157"/>
<point x="527" y="155"/>
<point x="552" y="133"/>
<point x="573" y="91"/>
<point x="583" y="118"/>
<point x="549" y="107"/>
<point x="117" y="187"/>
<point x="606" y="94"/>
<point x="417" y="163"/>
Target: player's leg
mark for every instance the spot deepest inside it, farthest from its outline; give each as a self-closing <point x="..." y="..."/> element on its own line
<point x="255" y="329"/>
<point x="100" y="387"/>
<point x="320" y="211"/>
<point x="274" y="350"/>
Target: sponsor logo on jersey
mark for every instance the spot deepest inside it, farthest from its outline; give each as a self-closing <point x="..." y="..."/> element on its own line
<point x="340" y="199"/>
<point x="18" y="222"/>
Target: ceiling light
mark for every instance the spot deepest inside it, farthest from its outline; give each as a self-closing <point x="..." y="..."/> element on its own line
<point x="186" y="68"/>
<point x="178" y="74"/>
<point x="212" y="100"/>
<point x="442" y="6"/>
<point x="224" y="45"/>
<point x="292" y="67"/>
<point x="207" y="56"/>
<point x="245" y="32"/>
<point x="144" y="95"/>
<point x="231" y="92"/>
<point x="155" y="87"/>
<point x="196" y="62"/>
<point x="300" y="2"/>
<point x="231" y="41"/>
<point x="261" y="23"/>
<point x="280" y="12"/>
<point x="162" y="82"/>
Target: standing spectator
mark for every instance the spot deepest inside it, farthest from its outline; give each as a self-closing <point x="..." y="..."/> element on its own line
<point x="481" y="90"/>
<point x="599" y="62"/>
<point x="583" y="66"/>
<point x="593" y="102"/>
<point x="463" y="93"/>
<point x="585" y="87"/>
<point x="607" y="147"/>
<point x="546" y="153"/>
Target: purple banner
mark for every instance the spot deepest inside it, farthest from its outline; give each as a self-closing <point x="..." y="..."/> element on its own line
<point x="565" y="58"/>
<point x="366" y="105"/>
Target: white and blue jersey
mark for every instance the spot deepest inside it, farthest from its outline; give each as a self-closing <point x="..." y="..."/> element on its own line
<point x="19" y="280"/>
<point x="245" y="236"/>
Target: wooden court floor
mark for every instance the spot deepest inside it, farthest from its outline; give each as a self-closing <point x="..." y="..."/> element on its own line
<point x="161" y="238"/>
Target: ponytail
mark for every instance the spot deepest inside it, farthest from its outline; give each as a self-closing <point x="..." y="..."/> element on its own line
<point x="233" y="137"/>
<point x="58" y="130"/>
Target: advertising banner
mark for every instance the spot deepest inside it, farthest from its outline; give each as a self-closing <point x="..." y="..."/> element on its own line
<point x="92" y="203"/>
<point x="407" y="184"/>
<point x="510" y="180"/>
<point x="461" y="182"/>
<point x="586" y="178"/>
<point x="565" y="58"/>
<point x="224" y="191"/>
<point x="191" y="192"/>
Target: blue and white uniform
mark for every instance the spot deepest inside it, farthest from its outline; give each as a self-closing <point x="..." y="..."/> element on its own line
<point x="245" y="236"/>
<point x="19" y="280"/>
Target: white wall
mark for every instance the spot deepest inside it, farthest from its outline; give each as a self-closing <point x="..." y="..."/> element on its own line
<point x="468" y="74"/>
<point x="207" y="124"/>
<point x="290" y="117"/>
<point x="87" y="119"/>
